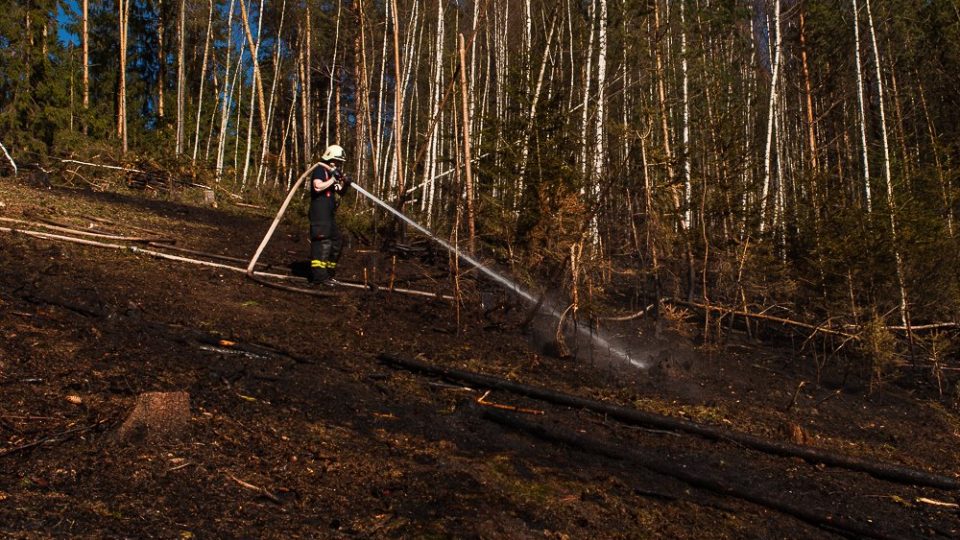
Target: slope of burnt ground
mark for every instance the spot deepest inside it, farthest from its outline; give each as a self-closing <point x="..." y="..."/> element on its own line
<point x="297" y="430"/>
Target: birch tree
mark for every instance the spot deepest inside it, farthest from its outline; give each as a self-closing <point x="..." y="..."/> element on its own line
<point x="888" y="181"/>
<point x="862" y="108"/>
<point x="771" y="115"/>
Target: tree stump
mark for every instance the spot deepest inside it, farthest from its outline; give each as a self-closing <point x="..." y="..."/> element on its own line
<point x="156" y="416"/>
<point x="210" y="198"/>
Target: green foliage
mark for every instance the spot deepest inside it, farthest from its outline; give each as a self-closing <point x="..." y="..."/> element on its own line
<point x="879" y="350"/>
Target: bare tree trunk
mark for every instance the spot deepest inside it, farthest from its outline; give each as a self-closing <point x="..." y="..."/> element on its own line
<point x="86" y="61"/>
<point x="226" y="91"/>
<point x="600" y="149"/>
<point x="10" y="159"/>
<point x="685" y="141"/>
<point x="464" y="90"/>
<point x="808" y="96"/>
<point x="257" y="78"/>
<point x="588" y="79"/>
<point x="365" y="95"/>
<point x="307" y="84"/>
<point x="271" y="108"/>
<point x="664" y="106"/>
<point x="181" y="78"/>
<point x="528" y="132"/>
<point x="124" y="17"/>
<point x="263" y="134"/>
<point x="891" y="200"/>
<point x="398" y="105"/>
<point x="430" y="165"/>
<point x="379" y="147"/>
<point x="771" y="113"/>
<point x="161" y="62"/>
<point x="203" y="77"/>
<point x="934" y="148"/>
<point x="860" y="103"/>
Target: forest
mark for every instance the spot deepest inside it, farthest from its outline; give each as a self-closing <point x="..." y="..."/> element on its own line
<point x="725" y="161"/>
<point x="753" y="202"/>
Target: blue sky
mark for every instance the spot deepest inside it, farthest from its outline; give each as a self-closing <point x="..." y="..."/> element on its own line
<point x="65" y="17"/>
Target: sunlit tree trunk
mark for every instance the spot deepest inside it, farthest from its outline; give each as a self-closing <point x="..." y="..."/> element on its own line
<point x="587" y="80"/>
<point x="181" y="78"/>
<point x="771" y="113"/>
<point x="86" y="61"/>
<point x="124" y="18"/>
<point x="888" y="180"/>
<point x="664" y="106"/>
<point x="253" y="47"/>
<point x="365" y="94"/>
<point x="203" y="77"/>
<point x="687" y="187"/>
<point x="600" y="148"/>
<point x="253" y="105"/>
<point x="306" y="92"/>
<point x="161" y="63"/>
<point x="433" y="141"/>
<point x="226" y="92"/>
<point x="9" y="158"/>
<point x="467" y="166"/>
<point x="528" y="133"/>
<point x="398" y="105"/>
<point x="271" y="108"/>
<point x="862" y="107"/>
<point x="808" y="96"/>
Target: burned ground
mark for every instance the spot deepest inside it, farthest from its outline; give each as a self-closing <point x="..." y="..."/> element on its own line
<point x="297" y="430"/>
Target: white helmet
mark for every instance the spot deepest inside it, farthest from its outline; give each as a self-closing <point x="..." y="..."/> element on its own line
<point x="334" y="152"/>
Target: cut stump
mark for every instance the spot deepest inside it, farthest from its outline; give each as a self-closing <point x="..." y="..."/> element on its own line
<point x="210" y="198"/>
<point x="157" y="416"/>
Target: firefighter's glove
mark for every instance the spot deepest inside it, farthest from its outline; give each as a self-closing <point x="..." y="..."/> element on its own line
<point x="346" y="181"/>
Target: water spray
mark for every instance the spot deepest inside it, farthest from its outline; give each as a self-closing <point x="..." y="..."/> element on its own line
<point x="595" y="337"/>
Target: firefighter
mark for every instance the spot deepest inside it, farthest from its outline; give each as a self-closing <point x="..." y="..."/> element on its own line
<point x="327" y="183"/>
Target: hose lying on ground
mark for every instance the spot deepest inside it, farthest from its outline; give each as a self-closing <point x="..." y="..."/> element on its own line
<point x="255" y="276"/>
<point x="674" y="470"/>
<point x="884" y="471"/>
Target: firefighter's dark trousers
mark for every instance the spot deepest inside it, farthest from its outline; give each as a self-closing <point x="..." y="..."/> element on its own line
<point x="325" y="246"/>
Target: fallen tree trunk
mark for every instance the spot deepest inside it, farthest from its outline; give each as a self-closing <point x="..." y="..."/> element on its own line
<point x="678" y="471"/>
<point x="884" y="471"/>
<point x="844" y="332"/>
<point x="9" y="158"/>
<point x="760" y="316"/>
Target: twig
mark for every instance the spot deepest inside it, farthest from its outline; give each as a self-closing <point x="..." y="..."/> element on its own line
<point x="108" y="222"/>
<point x="631" y="317"/>
<point x="244" y="205"/>
<point x="796" y="393"/>
<point x="831" y="396"/>
<point x="482" y="400"/>
<point x="258" y="489"/>
<point x="50" y="439"/>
